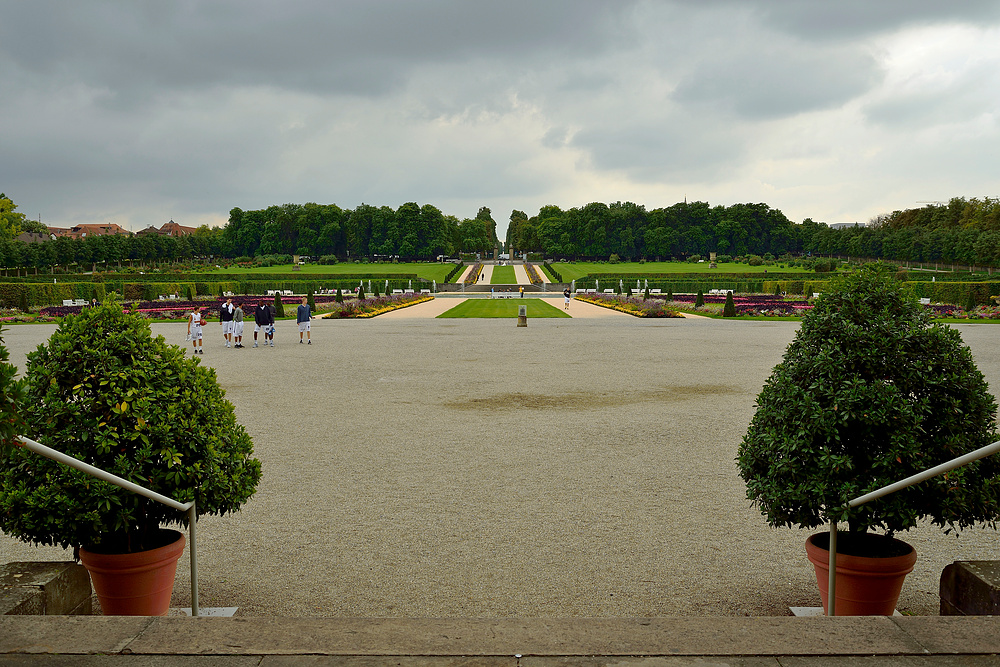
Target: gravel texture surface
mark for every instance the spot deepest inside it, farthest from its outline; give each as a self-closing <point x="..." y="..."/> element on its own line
<point x="419" y="467"/>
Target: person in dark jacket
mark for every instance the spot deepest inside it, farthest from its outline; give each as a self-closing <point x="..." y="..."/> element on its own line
<point x="263" y="319"/>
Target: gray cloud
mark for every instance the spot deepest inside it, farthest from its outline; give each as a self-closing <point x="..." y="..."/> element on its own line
<point x="155" y="110"/>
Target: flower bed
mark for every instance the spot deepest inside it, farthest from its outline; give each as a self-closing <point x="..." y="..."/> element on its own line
<point x="533" y="276"/>
<point x="631" y="305"/>
<point x="370" y="307"/>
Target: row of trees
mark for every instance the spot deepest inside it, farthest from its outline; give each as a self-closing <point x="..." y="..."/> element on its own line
<point x="630" y="231"/>
<point x="961" y="231"/>
<point x="409" y="232"/>
<point x="965" y="231"/>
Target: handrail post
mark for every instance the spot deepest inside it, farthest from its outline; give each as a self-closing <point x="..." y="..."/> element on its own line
<point x="192" y="521"/>
<point x="831" y="589"/>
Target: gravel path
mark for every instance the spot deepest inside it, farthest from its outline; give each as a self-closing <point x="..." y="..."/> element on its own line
<point x="419" y="467"/>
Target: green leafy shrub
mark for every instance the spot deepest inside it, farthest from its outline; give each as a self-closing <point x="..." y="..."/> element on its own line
<point x="279" y="307"/>
<point x="310" y="301"/>
<point x="340" y="296"/>
<point x="699" y="300"/>
<point x="870" y="392"/>
<point x="105" y="391"/>
<point x="729" y="310"/>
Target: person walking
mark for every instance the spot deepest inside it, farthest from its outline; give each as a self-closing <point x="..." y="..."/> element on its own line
<point x="303" y="316"/>
<point x="194" y="331"/>
<point x="566" y="299"/>
<point x="238" y="326"/>
<point x="226" y="320"/>
<point x="262" y="321"/>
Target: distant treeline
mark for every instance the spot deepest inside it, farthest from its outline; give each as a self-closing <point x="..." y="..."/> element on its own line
<point x="964" y="231"/>
<point x="408" y="232"/>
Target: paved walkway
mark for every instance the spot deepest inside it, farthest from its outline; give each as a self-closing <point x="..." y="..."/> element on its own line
<point x="96" y="641"/>
<point x="487" y="275"/>
<point x="520" y="275"/>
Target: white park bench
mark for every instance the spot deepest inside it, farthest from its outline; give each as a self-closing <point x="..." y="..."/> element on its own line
<point x="816" y="294"/>
<point x="425" y="291"/>
<point x="592" y="291"/>
<point x="79" y="302"/>
<point x="288" y="292"/>
<point x="407" y="291"/>
<point x="67" y="302"/>
<point x="609" y="291"/>
<point x="397" y="291"/>
<point x="655" y="291"/>
<point x="925" y="302"/>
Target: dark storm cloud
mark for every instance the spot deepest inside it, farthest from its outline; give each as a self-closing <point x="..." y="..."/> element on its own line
<point x="361" y="47"/>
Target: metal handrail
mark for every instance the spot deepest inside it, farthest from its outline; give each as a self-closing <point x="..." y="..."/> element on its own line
<point x="958" y="462"/>
<point x="58" y="456"/>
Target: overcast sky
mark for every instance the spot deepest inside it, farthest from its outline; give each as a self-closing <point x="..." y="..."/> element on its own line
<point x="141" y="112"/>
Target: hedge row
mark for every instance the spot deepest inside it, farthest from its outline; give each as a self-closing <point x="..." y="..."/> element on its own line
<point x="119" y="279"/>
<point x="26" y="295"/>
<point x="454" y="272"/>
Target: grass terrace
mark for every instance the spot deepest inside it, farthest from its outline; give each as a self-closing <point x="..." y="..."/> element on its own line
<point x="576" y="270"/>
<point x="503" y="275"/>
<point x="427" y="270"/>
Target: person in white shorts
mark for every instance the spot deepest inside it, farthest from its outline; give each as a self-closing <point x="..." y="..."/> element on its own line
<point x="238" y="326"/>
<point x="194" y="332"/>
<point x="303" y="316"/>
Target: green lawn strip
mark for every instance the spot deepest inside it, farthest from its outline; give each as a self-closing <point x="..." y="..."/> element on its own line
<point x="503" y="275"/>
<point x="427" y="270"/>
<point x="576" y="270"/>
<point x="505" y="308"/>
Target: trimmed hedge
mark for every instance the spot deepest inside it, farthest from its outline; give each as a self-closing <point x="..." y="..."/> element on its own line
<point x="209" y="277"/>
<point x="17" y="295"/>
<point x="454" y="272"/>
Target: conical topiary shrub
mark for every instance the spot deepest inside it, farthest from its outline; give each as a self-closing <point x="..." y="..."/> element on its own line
<point x="340" y="296"/>
<point x="310" y="301"/>
<point x="646" y="294"/>
<point x="279" y="307"/>
<point x="375" y="290"/>
<point x="777" y="288"/>
<point x="729" y="310"/>
<point x="970" y="302"/>
<point x="699" y="300"/>
<point x="670" y="295"/>
<point x="190" y="293"/>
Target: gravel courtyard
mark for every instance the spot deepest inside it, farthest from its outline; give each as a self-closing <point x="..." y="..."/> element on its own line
<point x="419" y="467"/>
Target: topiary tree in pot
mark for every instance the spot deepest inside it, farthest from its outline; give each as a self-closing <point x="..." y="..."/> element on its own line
<point x="105" y="391"/>
<point x="870" y="392"/>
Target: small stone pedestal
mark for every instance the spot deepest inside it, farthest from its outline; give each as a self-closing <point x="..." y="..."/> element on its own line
<point x="522" y="316"/>
<point x="44" y="588"/>
<point x="971" y="588"/>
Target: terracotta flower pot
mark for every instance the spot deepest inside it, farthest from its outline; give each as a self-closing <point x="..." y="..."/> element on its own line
<point x="866" y="585"/>
<point x="135" y="584"/>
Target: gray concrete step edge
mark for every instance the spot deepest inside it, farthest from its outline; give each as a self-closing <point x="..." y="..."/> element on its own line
<point x="681" y="636"/>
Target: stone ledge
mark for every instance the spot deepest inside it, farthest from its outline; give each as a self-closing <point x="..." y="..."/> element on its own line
<point x="971" y="588"/>
<point x="679" y="636"/>
<point x="41" y="588"/>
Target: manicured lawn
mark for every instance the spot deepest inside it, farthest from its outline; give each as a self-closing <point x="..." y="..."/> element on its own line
<point x="503" y="275"/>
<point x="429" y="270"/>
<point x="576" y="270"/>
<point x="503" y="308"/>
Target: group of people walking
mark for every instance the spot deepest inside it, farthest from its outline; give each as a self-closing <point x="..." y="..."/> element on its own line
<point x="231" y="319"/>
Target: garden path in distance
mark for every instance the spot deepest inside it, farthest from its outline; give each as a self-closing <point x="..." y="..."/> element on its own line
<point x="421" y="467"/>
